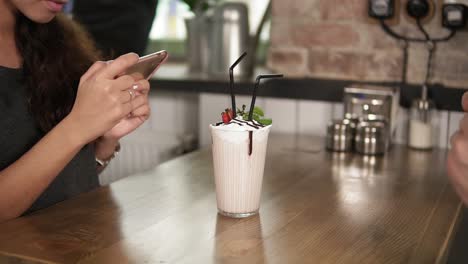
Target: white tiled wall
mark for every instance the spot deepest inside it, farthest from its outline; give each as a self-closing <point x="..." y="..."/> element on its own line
<point x="313" y="116"/>
<point x="174" y="113"/>
<point x="305" y="116"/>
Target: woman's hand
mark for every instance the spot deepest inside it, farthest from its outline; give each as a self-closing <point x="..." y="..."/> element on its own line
<point x="103" y="100"/>
<point x="457" y="162"/>
<point x="106" y="144"/>
<point x="137" y="117"/>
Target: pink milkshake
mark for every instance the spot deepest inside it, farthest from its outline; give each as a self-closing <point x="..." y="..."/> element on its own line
<point x="239" y="149"/>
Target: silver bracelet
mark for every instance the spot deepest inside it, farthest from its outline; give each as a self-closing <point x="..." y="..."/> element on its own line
<point x="106" y="162"/>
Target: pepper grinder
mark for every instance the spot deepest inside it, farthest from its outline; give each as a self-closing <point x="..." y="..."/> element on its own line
<point x="421" y="123"/>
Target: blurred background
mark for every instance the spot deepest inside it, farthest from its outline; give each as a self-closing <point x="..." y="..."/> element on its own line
<point x="324" y="48"/>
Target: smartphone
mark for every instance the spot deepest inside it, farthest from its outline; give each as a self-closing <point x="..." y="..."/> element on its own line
<point x="146" y="66"/>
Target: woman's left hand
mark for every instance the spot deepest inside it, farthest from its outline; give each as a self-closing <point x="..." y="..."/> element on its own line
<point x="457" y="162"/>
<point x="140" y="113"/>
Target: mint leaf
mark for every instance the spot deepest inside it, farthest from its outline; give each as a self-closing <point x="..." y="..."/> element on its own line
<point x="255" y="117"/>
<point x="265" y="121"/>
<point x="257" y="110"/>
<point x="258" y="115"/>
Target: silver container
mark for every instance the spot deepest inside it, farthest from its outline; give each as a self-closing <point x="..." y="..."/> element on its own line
<point x="229" y="39"/>
<point x="340" y="135"/>
<point x="198" y="44"/>
<point x="366" y="102"/>
<point x="372" y="137"/>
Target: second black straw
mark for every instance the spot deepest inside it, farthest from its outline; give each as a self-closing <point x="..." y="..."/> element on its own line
<point x="254" y="94"/>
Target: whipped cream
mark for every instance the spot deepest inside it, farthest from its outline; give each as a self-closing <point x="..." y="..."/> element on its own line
<point x="239" y="124"/>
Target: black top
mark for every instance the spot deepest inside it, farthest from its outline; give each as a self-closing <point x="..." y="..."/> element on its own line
<point x="19" y="133"/>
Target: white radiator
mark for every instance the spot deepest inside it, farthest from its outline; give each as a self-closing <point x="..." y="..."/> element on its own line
<point x="170" y="131"/>
<point x="140" y="151"/>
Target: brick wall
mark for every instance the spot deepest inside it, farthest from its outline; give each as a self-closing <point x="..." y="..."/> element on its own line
<point x="335" y="39"/>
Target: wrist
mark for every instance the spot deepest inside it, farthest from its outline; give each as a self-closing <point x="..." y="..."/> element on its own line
<point x="107" y="141"/>
<point x="72" y="131"/>
<point x="105" y="147"/>
<point x="105" y="152"/>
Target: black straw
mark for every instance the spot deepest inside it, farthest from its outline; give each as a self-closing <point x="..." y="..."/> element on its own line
<point x="231" y="83"/>
<point x="254" y="94"/>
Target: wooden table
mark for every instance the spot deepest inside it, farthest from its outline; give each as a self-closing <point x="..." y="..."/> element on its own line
<point x="317" y="207"/>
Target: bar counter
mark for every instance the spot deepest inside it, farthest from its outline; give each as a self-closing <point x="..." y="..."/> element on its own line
<point x="317" y="207"/>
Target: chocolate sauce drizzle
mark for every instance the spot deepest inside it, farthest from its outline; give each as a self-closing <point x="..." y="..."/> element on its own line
<point x="250" y="142"/>
<point x="243" y="122"/>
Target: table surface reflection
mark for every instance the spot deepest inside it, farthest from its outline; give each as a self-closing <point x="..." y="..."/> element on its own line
<point x="317" y="207"/>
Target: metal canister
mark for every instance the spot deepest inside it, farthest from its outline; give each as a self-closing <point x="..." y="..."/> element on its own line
<point x="340" y="135"/>
<point x="229" y="39"/>
<point x="372" y="137"/>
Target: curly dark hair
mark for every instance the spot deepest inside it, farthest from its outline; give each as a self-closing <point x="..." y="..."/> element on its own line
<point x="55" y="55"/>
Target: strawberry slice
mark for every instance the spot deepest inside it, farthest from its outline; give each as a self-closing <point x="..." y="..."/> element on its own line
<point x="225" y="118"/>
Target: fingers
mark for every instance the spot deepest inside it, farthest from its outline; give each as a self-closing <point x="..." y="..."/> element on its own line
<point x="123" y="83"/>
<point x="127" y="96"/>
<point x="139" y="101"/>
<point x="127" y="108"/>
<point x="464" y="124"/>
<point x="459" y="144"/>
<point x="136" y="94"/>
<point x="142" y="111"/>
<point x="141" y="86"/>
<point x="456" y="173"/>
<point x="118" y="66"/>
<point x="457" y="164"/>
<point x="126" y="83"/>
<point x="465" y="102"/>
<point x="96" y="67"/>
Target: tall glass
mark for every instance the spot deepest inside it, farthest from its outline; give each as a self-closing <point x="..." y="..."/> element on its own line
<point x="239" y="162"/>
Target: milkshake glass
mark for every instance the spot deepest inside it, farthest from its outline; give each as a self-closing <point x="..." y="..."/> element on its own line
<point x="239" y="161"/>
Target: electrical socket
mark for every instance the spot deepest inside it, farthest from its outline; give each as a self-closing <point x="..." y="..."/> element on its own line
<point x="418" y="9"/>
<point x="454" y="13"/>
<point x="381" y="9"/>
<point x="394" y="20"/>
<point x="433" y="6"/>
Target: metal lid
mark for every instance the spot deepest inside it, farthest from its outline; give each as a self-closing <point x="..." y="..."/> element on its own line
<point x="372" y="127"/>
<point x="341" y="126"/>
<point x="231" y="12"/>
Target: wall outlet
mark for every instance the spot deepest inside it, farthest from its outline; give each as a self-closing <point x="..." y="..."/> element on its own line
<point x="454" y="14"/>
<point x="381" y="9"/>
<point x="376" y="7"/>
<point x="433" y="7"/>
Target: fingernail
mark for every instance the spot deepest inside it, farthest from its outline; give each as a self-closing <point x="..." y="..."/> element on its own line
<point x="135" y="87"/>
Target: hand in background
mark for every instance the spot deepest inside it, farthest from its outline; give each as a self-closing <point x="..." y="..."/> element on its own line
<point x="457" y="162"/>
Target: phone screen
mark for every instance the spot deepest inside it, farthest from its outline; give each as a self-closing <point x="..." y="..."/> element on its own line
<point x="146" y="66"/>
